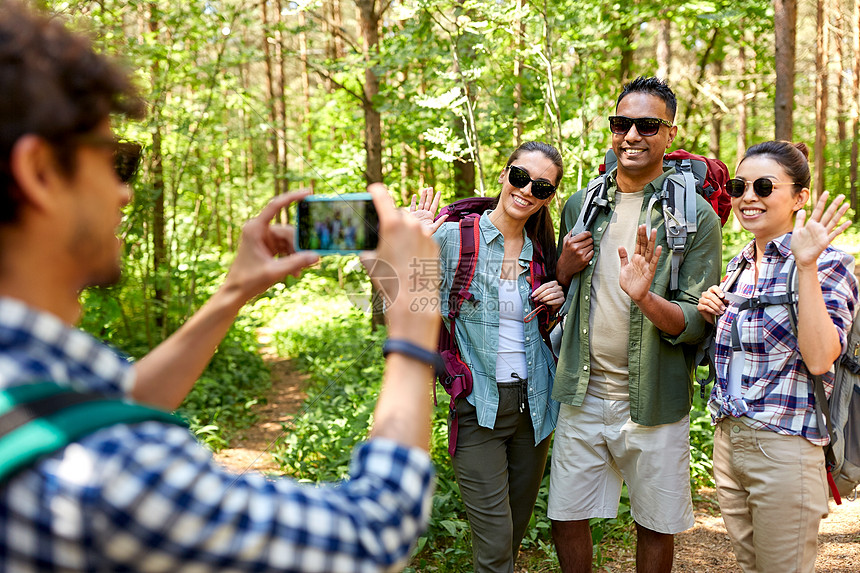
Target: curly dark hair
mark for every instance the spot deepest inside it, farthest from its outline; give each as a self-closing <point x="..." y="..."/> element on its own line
<point x="54" y="85"/>
<point x="653" y="86"/>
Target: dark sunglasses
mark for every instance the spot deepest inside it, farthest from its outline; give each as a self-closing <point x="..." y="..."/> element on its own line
<point x="645" y="126"/>
<point x="762" y="186"/>
<point x="126" y="154"/>
<point x="519" y="178"/>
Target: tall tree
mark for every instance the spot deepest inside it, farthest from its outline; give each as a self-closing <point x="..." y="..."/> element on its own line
<point x="784" y="24"/>
<point x="664" y="48"/>
<point x="821" y="61"/>
<point x="855" y="107"/>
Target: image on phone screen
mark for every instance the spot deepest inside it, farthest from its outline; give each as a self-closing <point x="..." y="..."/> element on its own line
<point x="337" y="224"/>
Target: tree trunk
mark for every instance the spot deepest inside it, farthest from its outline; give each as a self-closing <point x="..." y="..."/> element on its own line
<point x="855" y="108"/>
<point x="306" y="91"/>
<point x="626" y="55"/>
<point x="372" y="119"/>
<point x="741" y="141"/>
<point x="821" y="61"/>
<point x="159" y="242"/>
<point x="519" y="34"/>
<point x="716" y="112"/>
<point x="784" y="23"/>
<point x="664" y="48"/>
<point x="274" y="157"/>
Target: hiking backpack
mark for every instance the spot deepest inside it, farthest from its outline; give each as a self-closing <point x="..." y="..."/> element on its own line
<point x="840" y="415"/>
<point x="693" y="174"/>
<point x="457" y="380"/>
<point x="39" y="419"/>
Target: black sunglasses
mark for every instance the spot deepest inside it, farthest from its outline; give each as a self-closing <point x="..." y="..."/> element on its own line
<point x="762" y="186"/>
<point x="519" y="178"/>
<point x="126" y="154"/>
<point x="645" y="126"/>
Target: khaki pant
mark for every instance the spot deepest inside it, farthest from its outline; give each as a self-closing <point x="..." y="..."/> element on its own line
<point x="499" y="472"/>
<point x="772" y="491"/>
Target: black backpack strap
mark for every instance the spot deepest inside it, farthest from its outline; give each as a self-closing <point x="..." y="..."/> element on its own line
<point x="596" y="199"/>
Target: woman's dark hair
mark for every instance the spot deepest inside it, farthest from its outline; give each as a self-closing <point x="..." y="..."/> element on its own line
<point x="54" y="85"/>
<point x="793" y="157"/>
<point x="539" y="227"/>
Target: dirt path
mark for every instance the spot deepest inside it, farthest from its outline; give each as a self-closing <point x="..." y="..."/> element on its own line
<point x="250" y="450"/>
<point x="706" y="547"/>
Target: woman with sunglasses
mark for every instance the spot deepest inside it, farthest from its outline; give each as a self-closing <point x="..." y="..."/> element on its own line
<point x="768" y="448"/>
<point x="505" y="423"/>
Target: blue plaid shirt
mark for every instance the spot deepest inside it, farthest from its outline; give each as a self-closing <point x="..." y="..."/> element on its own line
<point x="477" y="328"/>
<point x="778" y="393"/>
<point x="149" y="497"/>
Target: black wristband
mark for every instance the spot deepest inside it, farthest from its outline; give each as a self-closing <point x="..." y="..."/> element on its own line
<point x="415" y="352"/>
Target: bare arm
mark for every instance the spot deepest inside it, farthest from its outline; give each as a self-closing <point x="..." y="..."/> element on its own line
<point x="265" y="256"/>
<point x="817" y="337"/>
<point x="403" y="410"/>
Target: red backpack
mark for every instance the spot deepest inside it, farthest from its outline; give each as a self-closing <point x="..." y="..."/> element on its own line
<point x="457" y="381"/>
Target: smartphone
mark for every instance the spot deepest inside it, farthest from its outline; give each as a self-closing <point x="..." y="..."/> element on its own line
<point x="337" y="224"/>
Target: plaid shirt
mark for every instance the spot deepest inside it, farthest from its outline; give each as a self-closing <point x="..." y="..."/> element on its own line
<point x="778" y="393"/>
<point x="477" y="327"/>
<point x="149" y="497"/>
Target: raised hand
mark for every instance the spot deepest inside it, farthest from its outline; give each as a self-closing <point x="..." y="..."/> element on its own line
<point x="810" y="238"/>
<point x="712" y="304"/>
<point x="425" y="207"/>
<point x="637" y="272"/>
<point x="267" y="251"/>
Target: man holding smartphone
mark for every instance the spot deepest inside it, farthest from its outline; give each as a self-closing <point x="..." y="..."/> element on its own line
<point x="147" y="496"/>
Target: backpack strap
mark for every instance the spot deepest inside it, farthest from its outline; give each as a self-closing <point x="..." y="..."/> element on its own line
<point x="470" y="241"/>
<point x="39" y="419"/>
<point x="596" y="199"/>
<point x="708" y="349"/>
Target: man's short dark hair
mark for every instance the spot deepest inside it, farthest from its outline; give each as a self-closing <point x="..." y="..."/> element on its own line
<point x="655" y="87"/>
<point x="53" y="85"/>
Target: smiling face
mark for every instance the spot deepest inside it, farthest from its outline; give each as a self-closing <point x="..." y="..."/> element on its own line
<point x="640" y="158"/>
<point x="767" y="217"/>
<point x="520" y="204"/>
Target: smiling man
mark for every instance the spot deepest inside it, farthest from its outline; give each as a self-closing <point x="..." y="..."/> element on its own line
<point x="142" y="494"/>
<point x="626" y="389"/>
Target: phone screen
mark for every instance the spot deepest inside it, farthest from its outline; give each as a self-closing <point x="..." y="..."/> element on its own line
<point x="345" y="223"/>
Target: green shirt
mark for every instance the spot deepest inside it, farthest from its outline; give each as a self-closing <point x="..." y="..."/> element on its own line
<point x="661" y="367"/>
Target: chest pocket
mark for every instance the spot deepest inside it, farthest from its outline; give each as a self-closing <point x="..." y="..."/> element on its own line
<point x="768" y="330"/>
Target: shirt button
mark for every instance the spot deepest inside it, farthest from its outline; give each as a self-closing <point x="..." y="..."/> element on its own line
<point x="736" y="429"/>
<point x="585" y="368"/>
<point x="599" y="229"/>
<point x="585" y="331"/>
<point x="586" y="297"/>
<point x="527" y="338"/>
<point x="591" y="263"/>
<point x="530" y="362"/>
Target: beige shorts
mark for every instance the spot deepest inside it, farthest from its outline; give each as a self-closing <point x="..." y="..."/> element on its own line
<point x="597" y="446"/>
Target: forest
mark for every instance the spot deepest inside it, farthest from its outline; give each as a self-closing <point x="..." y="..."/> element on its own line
<point x="251" y="98"/>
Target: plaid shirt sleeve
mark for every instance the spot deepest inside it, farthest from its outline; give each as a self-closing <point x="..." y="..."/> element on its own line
<point x="148" y="497"/>
<point x="778" y="394"/>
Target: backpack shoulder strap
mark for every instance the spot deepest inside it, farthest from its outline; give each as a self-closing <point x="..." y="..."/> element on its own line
<point x="466" y="264"/>
<point x="38" y="419"/>
<point x="596" y="199"/>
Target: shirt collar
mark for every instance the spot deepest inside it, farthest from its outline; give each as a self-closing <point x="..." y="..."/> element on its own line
<point x="48" y="347"/>
<point x="781" y="244"/>
<point x="490" y="233"/>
